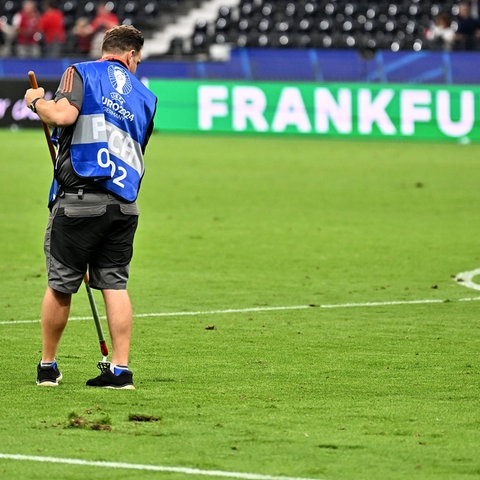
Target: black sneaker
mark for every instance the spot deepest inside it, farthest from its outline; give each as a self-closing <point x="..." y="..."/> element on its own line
<point x="48" y="376"/>
<point x="107" y="379"/>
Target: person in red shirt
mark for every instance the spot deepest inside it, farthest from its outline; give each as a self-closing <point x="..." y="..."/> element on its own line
<point x="89" y="36"/>
<point x="52" y="27"/>
<point x="103" y="21"/>
<point x="25" y="23"/>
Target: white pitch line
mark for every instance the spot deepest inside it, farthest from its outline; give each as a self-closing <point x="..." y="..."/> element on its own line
<point x="466" y="279"/>
<point x="302" y="307"/>
<point x="270" y="309"/>
<point x="152" y="468"/>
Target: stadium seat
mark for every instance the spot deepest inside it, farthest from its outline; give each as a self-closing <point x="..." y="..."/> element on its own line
<point x="69" y="7"/>
<point x="176" y="47"/>
<point x="385" y="24"/>
<point x="86" y="9"/>
<point x="149" y="8"/>
<point x="8" y="8"/>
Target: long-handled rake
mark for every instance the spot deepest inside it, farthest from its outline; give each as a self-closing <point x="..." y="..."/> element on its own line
<point x="96" y="317"/>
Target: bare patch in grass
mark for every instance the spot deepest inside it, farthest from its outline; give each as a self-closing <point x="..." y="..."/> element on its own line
<point x="79" y="421"/>
<point x="133" y="417"/>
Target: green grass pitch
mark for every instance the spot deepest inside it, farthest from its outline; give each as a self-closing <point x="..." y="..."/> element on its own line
<point x="375" y="387"/>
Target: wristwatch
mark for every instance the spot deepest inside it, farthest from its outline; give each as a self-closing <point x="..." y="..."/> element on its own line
<point x="32" y="105"/>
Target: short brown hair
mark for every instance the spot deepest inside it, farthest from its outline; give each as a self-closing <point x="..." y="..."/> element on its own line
<point x="122" y="38"/>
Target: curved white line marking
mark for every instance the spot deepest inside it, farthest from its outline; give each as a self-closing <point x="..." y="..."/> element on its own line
<point x="152" y="468"/>
<point x="270" y="309"/>
<point x="466" y="279"/>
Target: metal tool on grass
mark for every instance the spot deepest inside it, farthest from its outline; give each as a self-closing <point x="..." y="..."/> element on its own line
<point x="91" y="298"/>
<point x="96" y="318"/>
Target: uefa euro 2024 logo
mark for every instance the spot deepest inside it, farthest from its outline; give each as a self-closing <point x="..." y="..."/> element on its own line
<point x="119" y="79"/>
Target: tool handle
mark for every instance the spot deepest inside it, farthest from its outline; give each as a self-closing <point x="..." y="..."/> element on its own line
<point x="51" y="147"/>
<point x="33" y="79"/>
<point x="96" y="317"/>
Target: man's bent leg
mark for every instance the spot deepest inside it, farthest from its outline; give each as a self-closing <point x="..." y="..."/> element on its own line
<point x="55" y="311"/>
<point x="119" y="316"/>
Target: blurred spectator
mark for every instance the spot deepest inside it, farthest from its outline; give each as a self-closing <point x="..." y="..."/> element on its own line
<point x="88" y="36"/>
<point x="2" y="35"/>
<point x="52" y="27"/>
<point x="468" y="30"/>
<point x="441" y="35"/>
<point x="103" y="20"/>
<point x="25" y="23"/>
<point x="7" y="34"/>
<point x="82" y="39"/>
<point x="474" y="8"/>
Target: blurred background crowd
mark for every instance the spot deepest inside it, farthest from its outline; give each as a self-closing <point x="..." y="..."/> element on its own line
<point x="48" y="28"/>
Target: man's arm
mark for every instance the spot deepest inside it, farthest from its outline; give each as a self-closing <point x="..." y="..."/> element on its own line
<point x="59" y="113"/>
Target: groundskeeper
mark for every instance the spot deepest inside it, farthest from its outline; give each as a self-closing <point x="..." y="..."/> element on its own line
<point x="103" y="118"/>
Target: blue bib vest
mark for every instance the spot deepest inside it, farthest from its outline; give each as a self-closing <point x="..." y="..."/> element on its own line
<point x="111" y="129"/>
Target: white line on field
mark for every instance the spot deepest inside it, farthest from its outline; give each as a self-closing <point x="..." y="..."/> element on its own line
<point x="466" y="279"/>
<point x="271" y="309"/>
<point x="154" y="468"/>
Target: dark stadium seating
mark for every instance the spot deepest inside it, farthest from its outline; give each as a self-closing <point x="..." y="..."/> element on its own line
<point x="128" y="11"/>
<point x="365" y="25"/>
<point x="362" y="24"/>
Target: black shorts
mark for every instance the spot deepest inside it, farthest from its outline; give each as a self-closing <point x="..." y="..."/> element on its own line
<point x="94" y="230"/>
